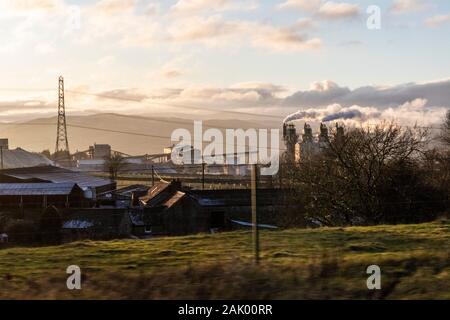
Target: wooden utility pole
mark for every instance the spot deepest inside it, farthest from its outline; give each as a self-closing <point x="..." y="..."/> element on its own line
<point x="1" y="155"/>
<point x="153" y="175"/>
<point x="280" y="175"/>
<point x="203" y="175"/>
<point x="255" y="178"/>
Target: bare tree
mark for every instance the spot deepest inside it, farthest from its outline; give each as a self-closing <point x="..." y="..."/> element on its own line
<point x="359" y="177"/>
<point x="114" y="164"/>
<point x="445" y="136"/>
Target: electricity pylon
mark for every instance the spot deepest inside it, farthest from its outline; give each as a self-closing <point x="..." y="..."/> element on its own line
<point x="62" y="143"/>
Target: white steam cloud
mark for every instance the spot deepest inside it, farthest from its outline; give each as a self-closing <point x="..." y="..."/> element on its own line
<point x="409" y="113"/>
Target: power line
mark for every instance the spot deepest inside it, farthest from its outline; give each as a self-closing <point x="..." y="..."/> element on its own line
<point x="133" y="133"/>
<point x="27" y="89"/>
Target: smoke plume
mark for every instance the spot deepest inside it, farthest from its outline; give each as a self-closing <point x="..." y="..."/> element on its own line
<point x="409" y="113"/>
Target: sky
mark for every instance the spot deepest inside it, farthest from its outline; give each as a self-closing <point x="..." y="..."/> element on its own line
<point x="261" y="56"/>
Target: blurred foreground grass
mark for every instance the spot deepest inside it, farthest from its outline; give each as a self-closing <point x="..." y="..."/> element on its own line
<point x="326" y="263"/>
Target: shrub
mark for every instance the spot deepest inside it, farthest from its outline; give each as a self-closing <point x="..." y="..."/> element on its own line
<point x="4" y="220"/>
<point x="21" y="231"/>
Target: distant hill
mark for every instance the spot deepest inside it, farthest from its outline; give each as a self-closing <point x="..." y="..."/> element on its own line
<point x="152" y="133"/>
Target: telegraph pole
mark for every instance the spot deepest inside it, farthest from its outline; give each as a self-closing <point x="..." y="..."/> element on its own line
<point x="1" y="151"/>
<point x="203" y="175"/>
<point x="254" y="196"/>
<point x="280" y="175"/>
<point x="153" y="175"/>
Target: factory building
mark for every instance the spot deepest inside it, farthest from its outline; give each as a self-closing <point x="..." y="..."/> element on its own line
<point x="100" y="151"/>
<point x="20" y="158"/>
<point x="90" y="185"/>
<point x="309" y="145"/>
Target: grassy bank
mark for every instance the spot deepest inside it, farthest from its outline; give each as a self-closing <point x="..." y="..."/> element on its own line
<point x="296" y="264"/>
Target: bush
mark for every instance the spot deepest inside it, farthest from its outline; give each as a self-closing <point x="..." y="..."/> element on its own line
<point x="50" y="226"/>
<point x="21" y="232"/>
<point x="4" y="220"/>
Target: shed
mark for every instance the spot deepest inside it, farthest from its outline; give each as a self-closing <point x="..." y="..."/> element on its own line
<point x="35" y="195"/>
<point x="52" y="174"/>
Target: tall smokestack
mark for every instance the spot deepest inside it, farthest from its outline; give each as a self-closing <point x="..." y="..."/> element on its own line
<point x="339" y="133"/>
<point x="290" y="140"/>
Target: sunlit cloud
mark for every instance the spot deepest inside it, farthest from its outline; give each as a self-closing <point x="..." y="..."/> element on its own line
<point x="338" y="10"/>
<point x="437" y="20"/>
<point x="407" y="6"/>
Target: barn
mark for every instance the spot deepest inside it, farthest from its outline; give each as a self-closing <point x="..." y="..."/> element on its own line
<point x="35" y="195"/>
<point x="90" y="185"/>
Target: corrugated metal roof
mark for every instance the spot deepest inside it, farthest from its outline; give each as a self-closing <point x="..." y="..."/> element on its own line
<point x="154" y="191"/>
<point x="19" y="158"/>
<point x="174" y="199"/>
<point x="56" y="175"/>
<point x="77" y="224"/>
<point x="35" y="189"/>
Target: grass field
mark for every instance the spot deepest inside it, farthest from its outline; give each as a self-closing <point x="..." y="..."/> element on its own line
<point x="328" y="263"/>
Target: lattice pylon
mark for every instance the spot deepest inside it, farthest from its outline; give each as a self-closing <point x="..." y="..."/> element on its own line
<point x="62" y="142"/>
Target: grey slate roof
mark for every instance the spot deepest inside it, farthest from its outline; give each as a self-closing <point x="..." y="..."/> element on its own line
<point x="36" y="189"/>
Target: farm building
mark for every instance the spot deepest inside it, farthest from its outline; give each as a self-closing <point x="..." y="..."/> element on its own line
<point x="95" y="223"/>
<point x="19" y="158"/>
<point x="35" y="195"/>
<point x="220" y="209"/>
<point x="124" y="197"/>
<point x="90" y="185"/>
<point x="168" y="209"/>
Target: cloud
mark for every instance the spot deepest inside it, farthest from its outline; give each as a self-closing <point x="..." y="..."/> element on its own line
<point x="325" y="10"/>
<point x="338" y="10"/>
<point x="44" y="48"/>
<point x="238" y="95"/>
<point x="286" y="39"/>
<point x="230" y="95"/>
<point x="112" y="7"/>
<point x="202" y="29"/>
<point x="118" y="22"/>
<point x="191" y="7"/>
<point x="194" y="6"/>
<point x="305" y="23"/>
<point x="128" y="24"/>
<point x="33" y="5"/>
<point x="437" y="20"/>
<point x="106" y="61"/>
<point x="16" y="105"/>
<point x="407" y="6"/>
<point x="122" y="94"/>
<point x="172" y="73"/>
<point x="307" y="5"/>
<point x="422" y="103"/>
<point x="327" y="92"/>
<point x="351" y="43"/>
<point x="262" y="87"/>
<point x="153" y="9"/>
<point x="216" y="31"/>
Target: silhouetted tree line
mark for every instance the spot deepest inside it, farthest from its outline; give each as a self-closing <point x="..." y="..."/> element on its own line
<point x="371" y="175"/>
<point x="46" y="231"/>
